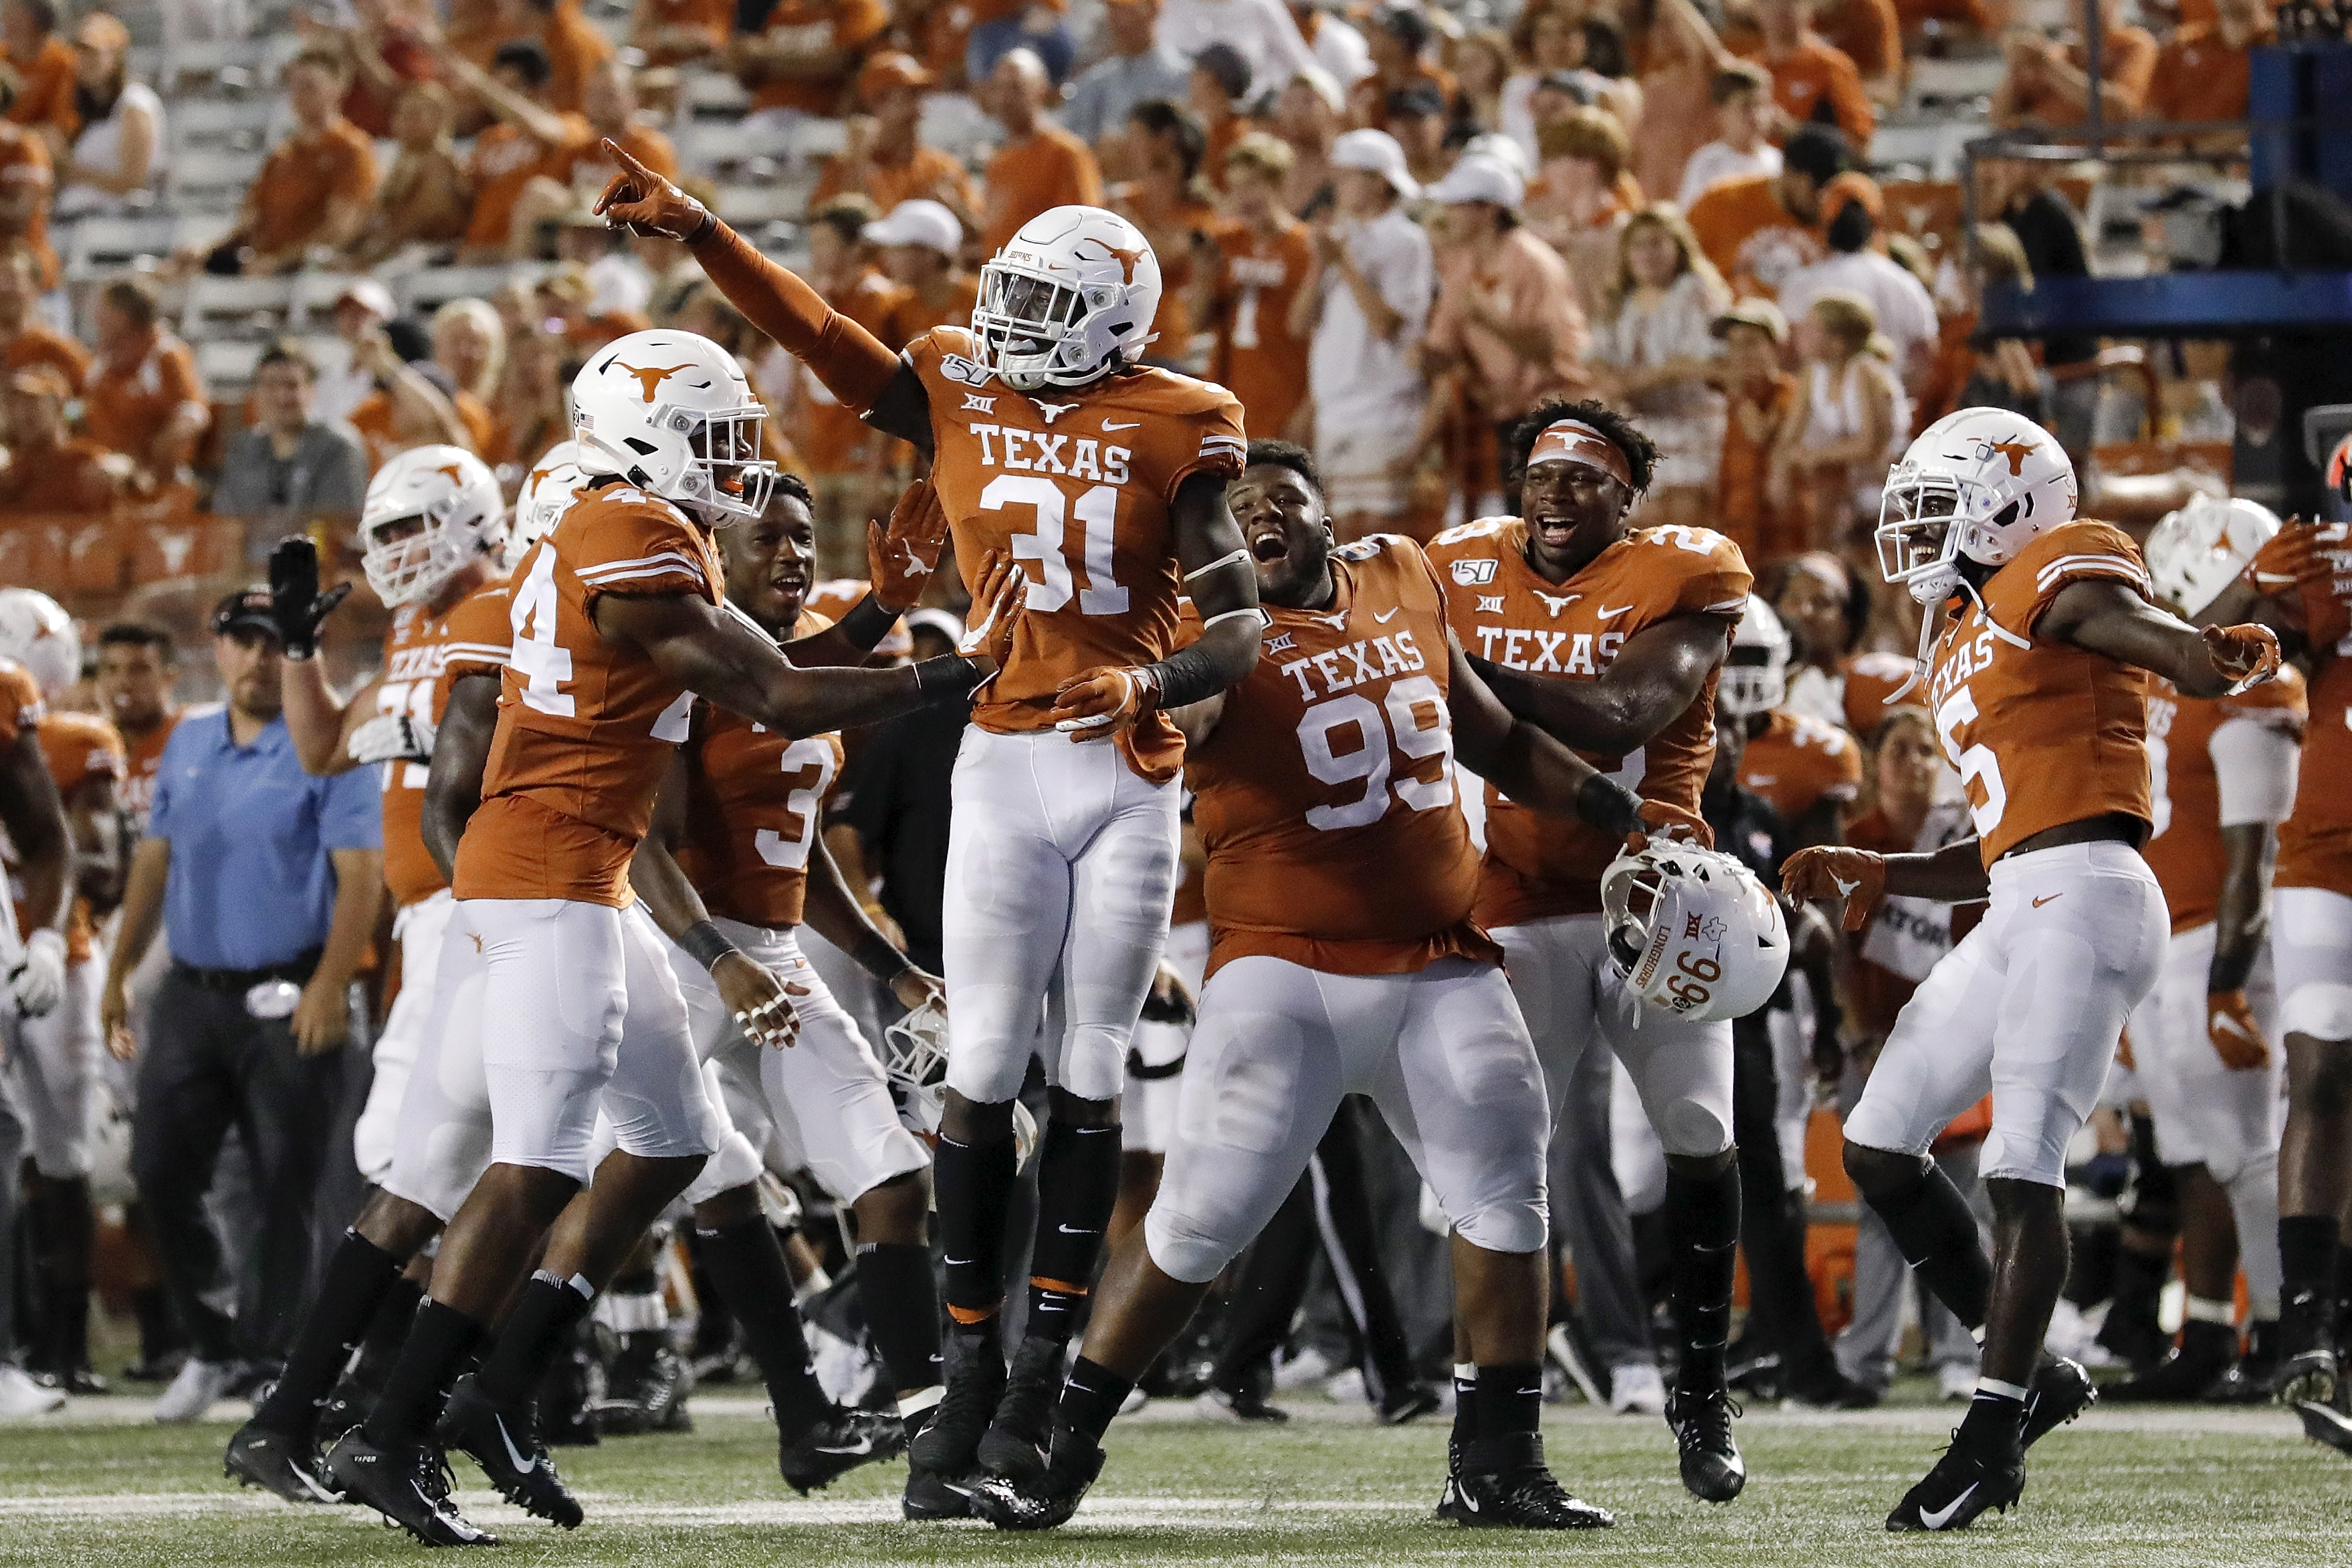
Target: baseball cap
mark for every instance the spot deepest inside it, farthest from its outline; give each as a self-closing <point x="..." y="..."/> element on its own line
<point x="1821" y="151"/>
<point x="946" y="624"/>
<point x="916" y="222"/>
<point x="246" y="610"/>
<point x="1479" y="177"/>
<point x="1377" y="152"/>
<point x="1760" y="313"/>
<point x="1502" y="149"/>
<point x="368" y="292"/>
<point x="888" y="69"/>
<point x="1420" y="100"/>
<point x="100" y="31"/>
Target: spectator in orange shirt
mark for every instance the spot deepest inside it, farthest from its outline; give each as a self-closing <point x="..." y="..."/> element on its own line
<point x="47" y="470"/>
<point x="1039" y="165"/>
<point x="385" y="54"/>
<point x="519" y="166"/>
<point x="2204" y="72"/>
<point x="142" y="397"/>
<point x="25" y="340"/>
<point x="424" y="199"/>
<point x="1813" y="82"/>
<point x="1870" y="34"/>
<point x="1758" y="229"/>
<point x="316" y="187"/>
<point x="26" y="188"/>
<point x="1219" y="79"/>
<point x="884" y="157"/>
<point x="44" y="64"/>
<point x="1582" y="196"/>
<point x="919" y="240"/>
<point x="574" y="46"/>
<point x="1761" y="397"/>
<point x="2048" y="82"/>
<point x="806" y="58"/>
<point x="1260" y="263"/>
<point x="412" y="404"/>
<point x="671" y="32"/>
<point x="1399" y="37"/>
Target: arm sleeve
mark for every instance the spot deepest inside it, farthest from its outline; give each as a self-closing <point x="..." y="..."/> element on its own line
<point x="2254" y="763"/>
<point x="850" y="360"/>
<point x="351" y="810"/>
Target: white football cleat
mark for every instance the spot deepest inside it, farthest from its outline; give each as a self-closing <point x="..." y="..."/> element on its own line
<point x="1636" y="1389"/>
<point x="200" y="1385"/>
<point x="20" y="1396"/>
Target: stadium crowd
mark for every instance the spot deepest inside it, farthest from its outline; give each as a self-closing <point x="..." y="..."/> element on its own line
<point x="240" y="275"/>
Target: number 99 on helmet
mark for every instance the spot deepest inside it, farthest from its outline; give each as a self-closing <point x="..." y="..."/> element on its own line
<point x="1694" y="932"/>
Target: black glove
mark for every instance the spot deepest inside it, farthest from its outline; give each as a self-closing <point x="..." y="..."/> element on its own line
<point x="295" y="601"/>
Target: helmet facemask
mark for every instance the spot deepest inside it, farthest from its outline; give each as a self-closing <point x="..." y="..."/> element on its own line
<point x="1753" y="681"/>
<point x="403" y="558"/>
<point x="1920" y="531"/>
<point x="1028" y="328"/>
<point x="723" y="479"/>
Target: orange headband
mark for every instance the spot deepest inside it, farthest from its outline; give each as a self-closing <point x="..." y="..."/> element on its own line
<point x="1573" y="441"/>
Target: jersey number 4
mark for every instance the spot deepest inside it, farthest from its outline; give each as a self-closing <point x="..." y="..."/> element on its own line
<point x="1044" y="547"/>
<point x="1416" y="726"/>
<point x="543" y="663"/>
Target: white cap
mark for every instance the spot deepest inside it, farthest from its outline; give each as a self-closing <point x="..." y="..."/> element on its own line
<point x="1378" y="152"/>
<point x="918" y="221"/>
<point x="1503" y="149"/>
<point x="368" y="292"/>
<point x="945" y="623"/>
<point x="1481" y="177"/>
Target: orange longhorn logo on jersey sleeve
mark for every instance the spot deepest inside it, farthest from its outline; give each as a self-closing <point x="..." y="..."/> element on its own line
<point x="649" y="381"/>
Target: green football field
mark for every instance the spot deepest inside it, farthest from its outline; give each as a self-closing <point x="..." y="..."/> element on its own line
<point x="96" y="1484"/>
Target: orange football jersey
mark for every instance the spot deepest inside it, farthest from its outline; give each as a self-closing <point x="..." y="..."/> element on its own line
<point x="1084" y="507"/>
<point x="2185" y="786"/>
<point x="2047" y="734"/>
<point x="137" y="793"/>
<point x="1538" y="865"/>
<point x="754" y="805"/>
<point x="1331" y="774"/>
<point x="1870" y="680"/>
<point x="1797" y="761"/>
<point x="416" y="652"/>
<point x="2314" y="566"/>
<point x="585" y="726"/>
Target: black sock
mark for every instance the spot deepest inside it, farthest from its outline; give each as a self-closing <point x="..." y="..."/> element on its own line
<point x="1936" y="1234"/>
<point x="1466" y="1406"/>
<point x="358" y="1277"/>
<point x="747" y="1263"/>
<point x="2343" y="1287"/>
<point x="1077" y="1186"/>
<point x="1091" y="1397"/>
<point x="2307" y="1244"/>
<point x="902" y="1311"/>
<point x="539" y="1326"/>
<point x="1994" y="1417"/>
<point x="440" y="1344"/>
<point x="974" y="1187"/>
<point x="1510" y="1400"/>
<point x="1703" y="1227"/>
<point x="387" y="1330"/>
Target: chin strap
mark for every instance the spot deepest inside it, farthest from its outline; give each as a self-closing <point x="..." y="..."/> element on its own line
<point x="1930" y="623"/>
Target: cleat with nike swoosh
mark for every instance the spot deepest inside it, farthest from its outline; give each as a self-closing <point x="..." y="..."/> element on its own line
<point x="1505" y="1485"/>
<point x="1014" y="1444"/>
<point x="408" y="1486"/>
<point x="841" y="1440"/>
<point x="276" y="1462"/>
<point x="944" y="1457"/>
<point x="2060" y="1391"/>
<point x="506" y="1444"/>
<point x="1965" y="1482"/>
<point x="1048" y="1498"/>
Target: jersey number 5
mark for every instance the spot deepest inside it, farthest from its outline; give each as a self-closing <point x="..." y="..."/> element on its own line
<point x="1097" y="513"/>
<point x="1978" y="764"/>
<point x="1403" y="729"/>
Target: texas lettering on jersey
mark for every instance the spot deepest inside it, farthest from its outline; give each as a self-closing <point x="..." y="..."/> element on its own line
<point x="1538" y="865"/>
<point x="1078" y="486"/>
<point x="1331" y="771"/>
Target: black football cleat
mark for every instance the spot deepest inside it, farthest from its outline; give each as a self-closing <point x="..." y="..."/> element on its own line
<point x="840" y="1440"/>
<point x="1700" y="1420"/>
<point x="506" y="1444"/>
<point x="1250" y="1399"/>
<point x="347" y="1406"/>
<point x="258" y="1457"/>
<point x="2060" y="1391"/>
<point x="1505" y="1485"/>
<point x="1014" y="1444"/>
<point x="2324" y="1424"/>
<point x="2308" y="1367"/>
<point x="1048" y="1498"/>
<point x="1965" y="1482"/>
<point x="1410" y="1403"/>
<point x="943" y="1458"/>
<point x="1833" y="1390"/>
<point x="2187" y="1372"/>
<point x="408" y="1486"/>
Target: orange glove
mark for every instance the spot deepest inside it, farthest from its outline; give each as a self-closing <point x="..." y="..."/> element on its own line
<point x="995" y="611"/>
<point x="901" y="558"/>
<point x="1833" y="872"/>
<point x="2246" y="654"/>
<point x="642" y="202"/>
<point x="2236" y="1038"/>
<point x="1103" y="703"/>
<point x="1671" y="823"/>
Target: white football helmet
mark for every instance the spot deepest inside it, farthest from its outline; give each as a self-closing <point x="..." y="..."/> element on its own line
<point x="2195" y="552"/>
<point x="1068" y="300"/>
<point x="36" y="631"/>
<point x="1756" y="676"/>
<point x="915" y="1060"/>
<point x="1980" y="484"/>
<point x="1693" y="931"/>
<point x="671" y="413"/>
<point x="430" y="513"/>
<point x="545" y="497"/>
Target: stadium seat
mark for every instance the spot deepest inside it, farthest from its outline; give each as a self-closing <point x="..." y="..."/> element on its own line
<point x="1951" y="84"/>
<point x="310" y="307"/>
<point x="235" y="308"/>
<point x="170" y="549"/>
<point x="97" y="558"/>
<point x="210" y="180"/>
<point x="102" y="245"/>
<point x="227" y="67"/>
<point x="224" y="366"/>
<point x="422" y="293"/>
<point x="235" y="124"/>
<point x="33" y="549"/>
<point x="743" y="205"/>
<point x="714" y="95"/>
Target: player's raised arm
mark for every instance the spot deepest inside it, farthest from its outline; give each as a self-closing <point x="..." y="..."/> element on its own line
<point x="2107" y="617"/>
<point x="851" y="361"/>
<point x="1526" y="764"/>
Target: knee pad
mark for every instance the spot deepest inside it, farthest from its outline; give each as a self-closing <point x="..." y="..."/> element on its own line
<point x="1182" y="1249"/>
<point x="1693" y="1129"/>
<point x="1516" y="1226"/>
<point x="2320" y="1008"/>
<point x="1093" y="1064"/>
<point x="735" y="1164"/>
<point x="2029" y="1144"/>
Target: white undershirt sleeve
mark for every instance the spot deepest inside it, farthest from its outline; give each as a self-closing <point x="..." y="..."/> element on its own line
<point x="2255" y="766"/>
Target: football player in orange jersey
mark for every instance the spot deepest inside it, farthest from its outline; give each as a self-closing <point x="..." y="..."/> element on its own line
<point x="1328" y="768"/>
<point x="1048" y="440"/>
<point x="2223" y="776"/>
<point x="1609" y="638"/>
<point x="1826" y="609"/>
<point x="136" y="666"/>
<point x="2038" y="691"/>
<point x="617" y="618"/>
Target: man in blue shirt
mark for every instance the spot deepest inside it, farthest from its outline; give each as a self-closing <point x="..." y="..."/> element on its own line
<point x="267" y="881"/>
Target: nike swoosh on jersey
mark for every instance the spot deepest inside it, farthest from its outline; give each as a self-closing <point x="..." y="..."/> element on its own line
<point x="1607" y="614"/>
<point x="1384" y="620"/>
<point x="1108" y="426"/>
<point x="2046" y="898"/>
<point x="1935" y="1519"/>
